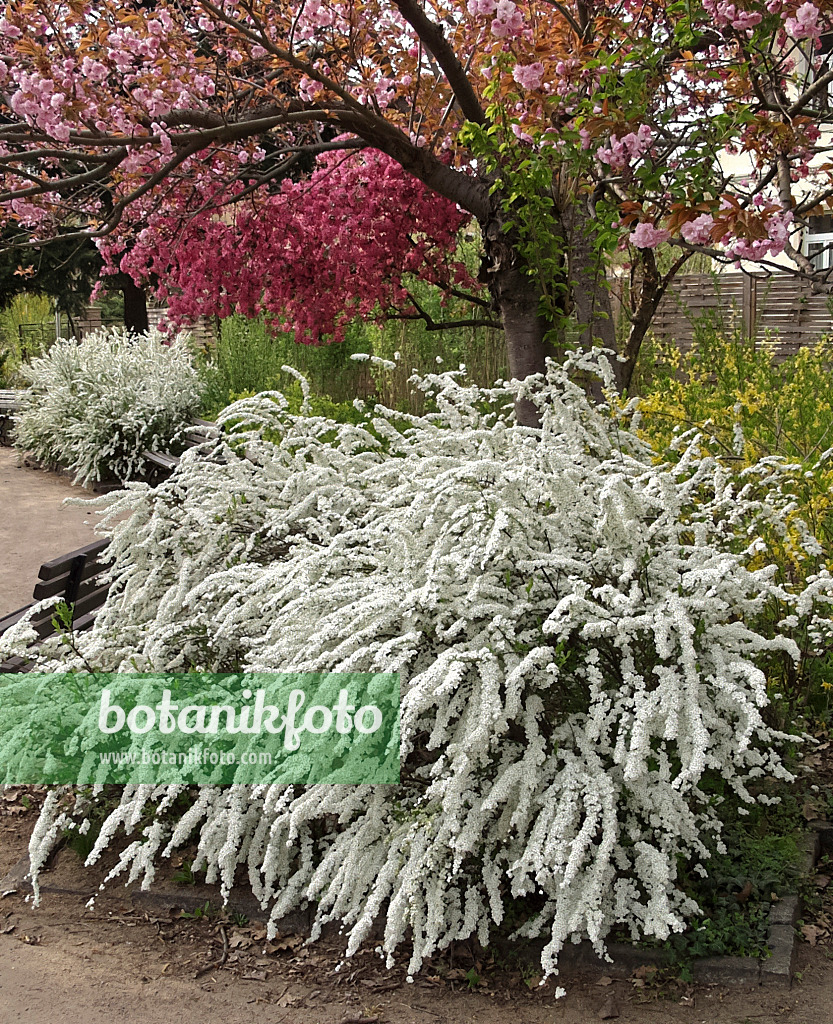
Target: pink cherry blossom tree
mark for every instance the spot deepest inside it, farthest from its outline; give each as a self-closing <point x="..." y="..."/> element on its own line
<point x="568" y="130"/>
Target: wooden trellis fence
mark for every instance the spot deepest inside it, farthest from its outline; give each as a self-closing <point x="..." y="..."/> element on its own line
<point x="779" y="311"/>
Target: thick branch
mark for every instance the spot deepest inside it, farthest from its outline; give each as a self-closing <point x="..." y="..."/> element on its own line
<point x="433" y="38"/>
<point x="66" y="184"/>
<point x="819" y="86"/>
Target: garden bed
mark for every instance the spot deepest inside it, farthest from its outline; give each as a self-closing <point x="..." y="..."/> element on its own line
<point x="178" y="892"/>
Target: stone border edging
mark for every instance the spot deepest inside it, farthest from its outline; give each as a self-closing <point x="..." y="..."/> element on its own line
<point x="776" y="971"/>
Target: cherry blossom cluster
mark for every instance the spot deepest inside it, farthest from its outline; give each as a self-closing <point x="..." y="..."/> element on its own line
<point x="507" y="20"/>
<point x="620" y="153"/>
<point x="805" y="24"/>
<point x="725" y="13"/>
<point x="129" y="78"/>
<point x="778" y="227"/>
<point x="646" y="236"/>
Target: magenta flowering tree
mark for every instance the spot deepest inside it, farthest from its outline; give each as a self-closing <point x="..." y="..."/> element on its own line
<point x="568" y="130"/>
<point x="313" y="255"/>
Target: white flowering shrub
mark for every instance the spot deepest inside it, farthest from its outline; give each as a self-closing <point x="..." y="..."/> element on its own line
<point x="575" y="632"/>
<point x="94" y="406"/>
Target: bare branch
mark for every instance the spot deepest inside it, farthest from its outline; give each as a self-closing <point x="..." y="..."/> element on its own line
<point x="445" y="325"/>
<point x="66" y="184"/>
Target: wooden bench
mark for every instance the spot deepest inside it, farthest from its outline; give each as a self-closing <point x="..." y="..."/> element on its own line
<point x="166" y="462"/>
<point x="9" y="401"/>
<point x="74" y="578"/>
<point x="9" y="404"/>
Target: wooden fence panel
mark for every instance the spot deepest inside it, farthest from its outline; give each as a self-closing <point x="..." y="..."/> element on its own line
<point x="779" y="311"/>
<point x="203" y="330"/>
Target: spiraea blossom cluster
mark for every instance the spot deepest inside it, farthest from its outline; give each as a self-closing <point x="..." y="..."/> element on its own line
<point x="96" y="405"/>
<point x="575" y="629"/>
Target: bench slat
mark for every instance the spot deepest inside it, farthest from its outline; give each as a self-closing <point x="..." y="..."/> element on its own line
<point x="58" y="585"/>
<point x="192" y="439"/>
<point x="91" y="599"/>
<point x="42" y="622"/>
<point x="62" y="564"/>
<point x="169" y="462"/>
<point x="86" y="620"/>
<point x="86" y="586"/>
<point x="15" y="664"/>
<point x="9" y="620"/>
<point x="94" y="599"/>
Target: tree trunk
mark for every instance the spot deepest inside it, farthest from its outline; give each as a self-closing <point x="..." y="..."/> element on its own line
<point x="135" y="306"/>
<point x="650" y="293"/>
<point x="652" y="286"/>
<point x="588" y="290"/>
<point x="518" y="300"/>
<point x="590" y="294"/>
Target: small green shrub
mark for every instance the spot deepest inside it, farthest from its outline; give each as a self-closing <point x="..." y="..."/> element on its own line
<point x="248" y="359"/>
<point x="32" y="313"/>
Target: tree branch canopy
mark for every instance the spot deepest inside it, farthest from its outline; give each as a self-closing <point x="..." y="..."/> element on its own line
<point x="157" y="130"/>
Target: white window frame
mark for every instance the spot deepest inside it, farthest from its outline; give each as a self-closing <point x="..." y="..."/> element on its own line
<point x="822" y="100"/>
<point x="825" y="239"/>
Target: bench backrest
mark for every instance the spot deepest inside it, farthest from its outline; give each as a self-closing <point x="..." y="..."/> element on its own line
<point x="74" y="578"/>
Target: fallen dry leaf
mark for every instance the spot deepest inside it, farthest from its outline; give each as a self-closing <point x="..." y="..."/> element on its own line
<point x="745" y="893"/>
<point x="285" y="942"/>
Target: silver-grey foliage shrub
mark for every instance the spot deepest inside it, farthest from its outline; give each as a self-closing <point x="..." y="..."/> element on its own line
<point x="577" y="632"/>
<point x="94" y="406"/>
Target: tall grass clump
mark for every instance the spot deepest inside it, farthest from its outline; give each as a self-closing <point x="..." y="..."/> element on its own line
<point x="249" y="357"/>
<point x="24" y="311"/>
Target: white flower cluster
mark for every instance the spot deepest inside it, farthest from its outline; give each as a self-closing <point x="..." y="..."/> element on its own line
<point x="96" y="405"/>
<point x="573" y="625"/>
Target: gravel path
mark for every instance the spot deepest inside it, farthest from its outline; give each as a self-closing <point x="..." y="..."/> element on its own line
<point x="35" y="526"/>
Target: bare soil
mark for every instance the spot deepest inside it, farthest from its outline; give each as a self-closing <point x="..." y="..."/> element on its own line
<point x="127" y="959"/>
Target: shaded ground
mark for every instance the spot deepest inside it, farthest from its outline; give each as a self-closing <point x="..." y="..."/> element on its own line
<point x="34" y="526"/>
